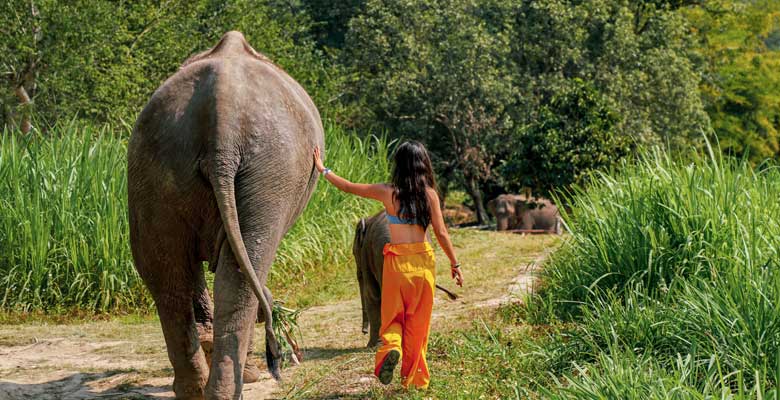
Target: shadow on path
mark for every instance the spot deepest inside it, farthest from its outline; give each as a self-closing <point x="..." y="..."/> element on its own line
<point x="327" y="353"/>
<point x="104" y="385"/>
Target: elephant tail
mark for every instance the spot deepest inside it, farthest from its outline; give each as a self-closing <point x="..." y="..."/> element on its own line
<point x="360" y="233"/>
<point x="225" y="192"/>
<point x="362" y="228"/>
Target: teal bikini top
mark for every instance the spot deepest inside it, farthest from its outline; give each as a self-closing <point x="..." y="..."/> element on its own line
<point x="400" y="221"/>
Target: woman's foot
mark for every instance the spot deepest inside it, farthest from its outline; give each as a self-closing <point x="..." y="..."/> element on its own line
<point x="388" y="367"/>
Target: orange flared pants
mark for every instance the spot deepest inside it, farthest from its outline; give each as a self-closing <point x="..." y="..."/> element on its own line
<point x="407" y="301"/>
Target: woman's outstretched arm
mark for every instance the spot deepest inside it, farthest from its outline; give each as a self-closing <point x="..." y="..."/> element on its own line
<point x="440" y="230"/>
<point x="376" y="191"/>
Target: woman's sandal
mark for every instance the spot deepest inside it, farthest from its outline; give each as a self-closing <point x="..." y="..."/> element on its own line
<point x="388" y="367"/>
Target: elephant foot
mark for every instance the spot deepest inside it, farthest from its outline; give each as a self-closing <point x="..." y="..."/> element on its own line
<point x="252" y="372"/>
<point x="374" y="342"/>
<point x="188" y="390"/>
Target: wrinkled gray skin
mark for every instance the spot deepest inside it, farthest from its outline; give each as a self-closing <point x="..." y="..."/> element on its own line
<point x="514" y="211"/>
<point x="371" y="235"/>
<point x="219" y="168"/>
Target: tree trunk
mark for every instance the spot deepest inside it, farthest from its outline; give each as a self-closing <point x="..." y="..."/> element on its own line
<point x="25" y="85"/>
<point x="476" y="195"/>
<point x="24" y="104"/>
<point x="443" y="183"/>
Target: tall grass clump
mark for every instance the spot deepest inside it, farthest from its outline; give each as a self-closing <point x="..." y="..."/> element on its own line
<point x="64" y="241"/>
<point x="670" y="259"/>
<point x="660" y="222"/>
<point x="63" y="222"/>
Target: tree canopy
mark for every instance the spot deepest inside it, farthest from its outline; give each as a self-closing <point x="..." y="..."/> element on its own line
<point x="101" y="60"/>
<point x="505" y="94"/>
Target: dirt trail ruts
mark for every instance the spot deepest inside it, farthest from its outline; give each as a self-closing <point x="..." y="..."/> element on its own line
<point x="498" y="268"/>
<point x="127" y="360"/>
<point x="85" y="362"/>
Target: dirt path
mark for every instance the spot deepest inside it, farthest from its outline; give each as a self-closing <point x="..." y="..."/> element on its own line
<point x="127" y="360"/>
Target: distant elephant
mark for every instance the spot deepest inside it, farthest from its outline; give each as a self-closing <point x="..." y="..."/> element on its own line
<point x="371" y="235"/>
<point x="219" y="168"/>
<point x="513" y="211"/>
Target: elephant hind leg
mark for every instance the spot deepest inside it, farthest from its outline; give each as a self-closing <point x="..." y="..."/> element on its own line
<point x="361" y="285"/>
<point x="174" y="301"/>
<point x="252" y="372"/>
<point x="274" y="364"/>
<point x="165" y="262"/>
<point x="373" y="306"/>
<point x="184" y="350"/>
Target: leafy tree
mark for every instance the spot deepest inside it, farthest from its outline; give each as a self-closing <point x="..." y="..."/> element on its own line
<point x="742" y="89"/>
<point x="574" y="135"/>
<point x="101" y="60"/>
<point x="432" y="70"/>
<point x="645" y="75"/>
<point x="468" y="78"/>
<point x="331" y="20"/>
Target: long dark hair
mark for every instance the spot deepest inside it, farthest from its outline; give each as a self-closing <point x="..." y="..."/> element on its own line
<point x="412" y="176"/>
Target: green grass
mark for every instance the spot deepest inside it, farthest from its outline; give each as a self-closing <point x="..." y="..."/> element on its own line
<point x="64" y="244"/>
<point x="63" y="222"/>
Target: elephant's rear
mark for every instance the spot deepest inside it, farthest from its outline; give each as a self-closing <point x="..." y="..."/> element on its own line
<point x="243" y="118"/>
<point x="223" y="146"/>
<point x="167" y="193"/>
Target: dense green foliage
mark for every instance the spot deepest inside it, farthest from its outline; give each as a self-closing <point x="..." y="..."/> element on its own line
<point x="478" y="81"/>
<point x="492" y="359"/>
<point x="100" y="61"/>
<point x="741" y="52"/>
<point x="63" y="219"/>
<point x="63" y="222"/>
<point x="573" y="135"/>
<point x="441" y="79"/>
<point x="636" y="55"/>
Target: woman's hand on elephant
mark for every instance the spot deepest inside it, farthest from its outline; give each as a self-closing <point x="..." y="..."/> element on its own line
<point x="318" y="159"/>
<point x="457" y="274"/>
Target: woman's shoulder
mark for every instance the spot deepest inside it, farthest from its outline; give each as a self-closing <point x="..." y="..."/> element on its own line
<point x="386" y="189"/>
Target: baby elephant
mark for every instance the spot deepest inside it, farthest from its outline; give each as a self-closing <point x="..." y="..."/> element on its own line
<point x="371" y="235"/>
<point x="515" y="211"/>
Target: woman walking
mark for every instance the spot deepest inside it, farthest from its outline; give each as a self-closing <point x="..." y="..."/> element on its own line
<point x="412" y="204"/>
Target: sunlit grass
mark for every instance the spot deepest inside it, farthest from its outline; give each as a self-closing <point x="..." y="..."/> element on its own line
<point x="671" y="259"/>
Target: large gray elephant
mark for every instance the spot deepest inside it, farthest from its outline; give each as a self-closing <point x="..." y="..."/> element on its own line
<point x="371" y="235"/>
<point x="515" y="211"/>
<point x="219" y="167"/>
